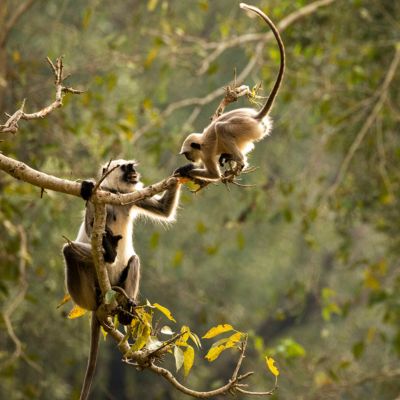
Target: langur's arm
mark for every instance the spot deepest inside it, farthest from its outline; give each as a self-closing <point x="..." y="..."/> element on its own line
<point x="163" y="207"/>
<point x="210" y="172"/>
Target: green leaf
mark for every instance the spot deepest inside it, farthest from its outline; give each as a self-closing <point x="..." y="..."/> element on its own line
<point x="358" y="349"/>
<point x="178" y="258"/>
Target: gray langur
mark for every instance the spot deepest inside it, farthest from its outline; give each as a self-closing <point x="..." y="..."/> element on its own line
<point x="123" y="265"/>
<point x="232" y="135"/>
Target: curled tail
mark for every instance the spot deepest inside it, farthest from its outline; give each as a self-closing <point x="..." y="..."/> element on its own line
<point x="91" y="365"/>
<point x="268" y="105"/>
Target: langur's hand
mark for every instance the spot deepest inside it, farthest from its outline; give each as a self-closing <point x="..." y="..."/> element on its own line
<point x="184" y="171"/>
<point x="87" y="189"/>
<point x="110" y="243"/>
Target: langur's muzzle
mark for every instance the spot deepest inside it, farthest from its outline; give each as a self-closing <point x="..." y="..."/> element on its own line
<point x="187" y="155"/>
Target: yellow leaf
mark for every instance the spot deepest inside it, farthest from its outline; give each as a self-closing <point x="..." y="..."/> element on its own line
<point x="142" y="338"/>
<point x="186" y="332"/>
<point x="188" y="360"/>
<point x="195" y="339"/>
<point x="151" y="5"/>
<point x="144" y="317"/>
<point x="370" y="281"/>
<point x="16" y="55"/>
<point x="65" y="299"/>
<point x="104" y="332"/>
<point x="76" y="312"/>
<point x="216" y="330"/>
<point x="165" y="311"/>
<point x="270" y="362"/>
<point x="151" y="56"/>
<point x="232" y="340"/>
<point x="214" y="353"/>
<point x="218" y="347"/>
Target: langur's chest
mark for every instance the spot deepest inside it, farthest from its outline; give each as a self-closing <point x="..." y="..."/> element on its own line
<point x="119" y="220"/>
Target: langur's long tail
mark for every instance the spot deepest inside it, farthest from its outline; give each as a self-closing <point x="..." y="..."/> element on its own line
<point x="91" y="365"/>
<point x="268" y="105"/>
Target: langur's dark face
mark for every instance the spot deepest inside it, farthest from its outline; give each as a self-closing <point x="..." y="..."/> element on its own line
<point x="129" y="174"/>
<point x="189" y="156"/>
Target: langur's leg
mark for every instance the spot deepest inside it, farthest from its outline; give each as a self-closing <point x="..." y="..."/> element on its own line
<point x="129" y="281"/>
<point x="81" y="275"/>
<point x="130" y="277"/>
<point x="226" y="135"/>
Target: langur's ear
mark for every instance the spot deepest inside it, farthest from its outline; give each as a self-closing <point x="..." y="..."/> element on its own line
<point x="196" y="146"/>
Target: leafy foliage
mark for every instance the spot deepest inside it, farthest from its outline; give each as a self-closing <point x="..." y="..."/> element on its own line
<point x="314" y="276"/>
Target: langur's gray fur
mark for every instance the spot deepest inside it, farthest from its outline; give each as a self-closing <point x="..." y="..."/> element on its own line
<point x="123" y="265"/>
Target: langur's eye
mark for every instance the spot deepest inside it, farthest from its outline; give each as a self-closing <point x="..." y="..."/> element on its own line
<point x="123" y="168"/>
<point x="130" y="168"/>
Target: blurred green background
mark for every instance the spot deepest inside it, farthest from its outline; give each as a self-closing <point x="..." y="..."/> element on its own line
<point x="307" y="261"/>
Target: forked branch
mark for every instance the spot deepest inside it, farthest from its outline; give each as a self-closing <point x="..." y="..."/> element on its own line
<point x="145" y="359"/>
<point x="11" y="124"/>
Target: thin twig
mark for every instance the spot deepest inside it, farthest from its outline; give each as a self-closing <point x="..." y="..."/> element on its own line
<point x="222" y="46"/>
<point x="15" y="302"/>
<point x="381" y="94"/>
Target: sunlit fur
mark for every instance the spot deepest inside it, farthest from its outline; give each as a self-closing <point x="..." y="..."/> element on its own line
<point x="235" y="132"/>
<point x="122" y="222"/>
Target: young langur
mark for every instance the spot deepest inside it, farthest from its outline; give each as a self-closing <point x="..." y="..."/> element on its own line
<point x="232" y="135"/>
<point x="123" y="265"/>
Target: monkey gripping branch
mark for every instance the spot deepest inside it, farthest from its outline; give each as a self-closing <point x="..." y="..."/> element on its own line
<point x="140" y="346"/>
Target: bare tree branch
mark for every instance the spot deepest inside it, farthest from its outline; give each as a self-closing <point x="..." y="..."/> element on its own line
<point x="11" y="124"/>
<point x="21" y="171"/>
<point x="99" y="225"/>
<point x="17" y="299"/>
<point x="144" y="359"/>
<point x="381" y="95"/>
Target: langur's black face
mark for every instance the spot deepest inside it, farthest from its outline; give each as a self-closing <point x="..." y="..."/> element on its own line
<point x="129" y="173"/>
<point x="189" y="156"/>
